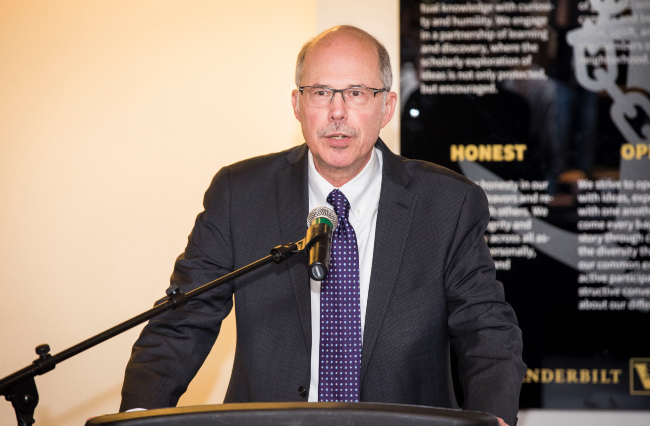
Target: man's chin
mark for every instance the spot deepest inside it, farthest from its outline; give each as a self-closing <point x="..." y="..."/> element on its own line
<point x="338" y="144"/>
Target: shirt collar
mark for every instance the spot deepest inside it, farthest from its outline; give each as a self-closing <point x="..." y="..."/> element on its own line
<point x="359" y="191"/>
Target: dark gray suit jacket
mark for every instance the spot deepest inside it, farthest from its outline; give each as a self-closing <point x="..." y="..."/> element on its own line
<point x="432" y="285"/>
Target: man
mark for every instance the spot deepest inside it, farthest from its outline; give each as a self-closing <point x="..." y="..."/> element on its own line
<point x="420" y="277"/>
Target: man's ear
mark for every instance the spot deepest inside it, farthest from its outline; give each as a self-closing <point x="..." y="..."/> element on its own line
<point x="295" y="102"/>
<point x="389" y="108"/>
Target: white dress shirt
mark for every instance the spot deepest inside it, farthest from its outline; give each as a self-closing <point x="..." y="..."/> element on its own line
<point x="363" y="194"/>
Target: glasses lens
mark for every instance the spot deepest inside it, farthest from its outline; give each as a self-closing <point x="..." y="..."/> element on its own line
<point x="317" y="96"/>
<point x="357" y="97"/>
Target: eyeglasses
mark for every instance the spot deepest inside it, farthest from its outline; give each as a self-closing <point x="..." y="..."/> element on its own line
<point x="354" y="97"/>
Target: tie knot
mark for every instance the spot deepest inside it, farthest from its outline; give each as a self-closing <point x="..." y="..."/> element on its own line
<point x="340" y="203"/>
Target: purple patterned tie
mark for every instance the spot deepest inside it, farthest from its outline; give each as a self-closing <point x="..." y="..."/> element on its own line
<point x="340" y="313"/>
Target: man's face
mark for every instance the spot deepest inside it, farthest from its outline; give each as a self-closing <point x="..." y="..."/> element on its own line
<point x="340" y="138"/>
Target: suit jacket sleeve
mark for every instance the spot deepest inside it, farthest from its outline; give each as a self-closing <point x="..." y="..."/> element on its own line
<point x="483" y="327"/>
<point x="173" y="346"/>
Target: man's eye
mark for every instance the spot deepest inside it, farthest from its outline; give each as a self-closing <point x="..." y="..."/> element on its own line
<point x="356" y="93"/>
<point x="322" y="93"/>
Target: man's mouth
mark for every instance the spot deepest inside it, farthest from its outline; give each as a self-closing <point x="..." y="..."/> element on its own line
<point x="338" y="137"/>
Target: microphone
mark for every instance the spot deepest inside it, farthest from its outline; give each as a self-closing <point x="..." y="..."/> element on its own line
<point x="322" y="222"/>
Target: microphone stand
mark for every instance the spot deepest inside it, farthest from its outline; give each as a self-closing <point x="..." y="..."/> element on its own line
<point x="20" y="387"/>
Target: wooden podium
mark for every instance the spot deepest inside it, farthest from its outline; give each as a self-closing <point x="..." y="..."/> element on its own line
<point x="298" y="414"/>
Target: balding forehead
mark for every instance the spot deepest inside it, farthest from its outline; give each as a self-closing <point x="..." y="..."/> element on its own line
<point x="345" y="31"/>
<point x="355" y="33"/>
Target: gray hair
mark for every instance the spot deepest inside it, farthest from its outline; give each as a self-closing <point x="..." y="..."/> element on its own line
<point x="385" y="71"/>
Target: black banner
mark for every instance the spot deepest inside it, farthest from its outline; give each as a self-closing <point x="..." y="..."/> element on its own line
<point x="546" y="106"/>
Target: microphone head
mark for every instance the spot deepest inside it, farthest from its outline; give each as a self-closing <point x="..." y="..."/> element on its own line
<point x="323" y="212"/>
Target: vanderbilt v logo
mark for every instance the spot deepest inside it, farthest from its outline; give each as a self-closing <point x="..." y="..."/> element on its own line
<point x="640" y="376"/>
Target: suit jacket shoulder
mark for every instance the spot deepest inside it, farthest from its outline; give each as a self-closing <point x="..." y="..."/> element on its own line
<point x="250" y="169"/>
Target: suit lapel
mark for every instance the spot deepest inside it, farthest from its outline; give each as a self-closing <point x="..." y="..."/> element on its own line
<point x="396" y="207"/>
<point x="293" y="207"/>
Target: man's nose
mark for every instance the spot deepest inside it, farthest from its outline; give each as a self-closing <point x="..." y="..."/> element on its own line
<point x="338" y="107"/>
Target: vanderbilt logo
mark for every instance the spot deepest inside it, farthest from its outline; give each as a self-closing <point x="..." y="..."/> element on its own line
<point x="639" y="376"/>
<point x="572" y="375"/>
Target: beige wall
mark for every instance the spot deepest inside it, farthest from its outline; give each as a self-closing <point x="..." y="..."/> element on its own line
<point x="114" y="116"/>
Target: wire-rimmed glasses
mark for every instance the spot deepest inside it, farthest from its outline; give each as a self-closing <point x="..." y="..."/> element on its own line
<point x="358" y="97"/>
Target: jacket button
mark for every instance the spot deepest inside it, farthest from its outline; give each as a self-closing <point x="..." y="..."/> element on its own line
<point x="302" y="391"/>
